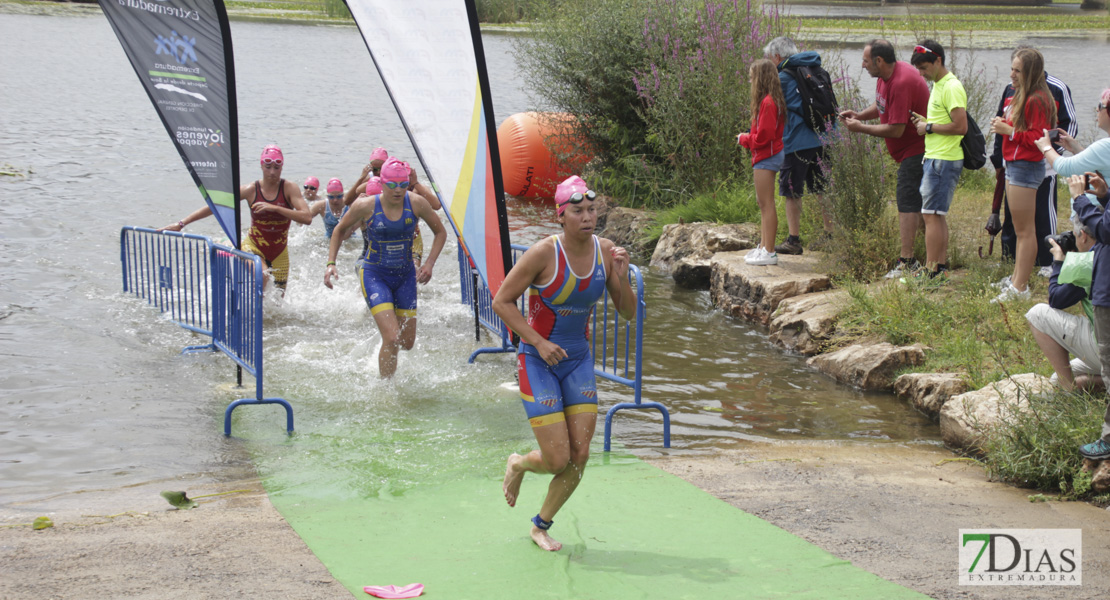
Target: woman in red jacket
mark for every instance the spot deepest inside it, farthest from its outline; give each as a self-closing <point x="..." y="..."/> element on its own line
<point x="1028" y="113"/>
<point x="768" y="109"/>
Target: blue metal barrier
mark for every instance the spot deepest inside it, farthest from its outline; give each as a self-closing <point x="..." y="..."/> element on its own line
<point x="476" y="294"/>
<point x="208" y="289"/>
<point x="612" y="361"/>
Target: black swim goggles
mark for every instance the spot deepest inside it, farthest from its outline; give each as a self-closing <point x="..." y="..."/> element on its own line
<point x="578" y="197"/>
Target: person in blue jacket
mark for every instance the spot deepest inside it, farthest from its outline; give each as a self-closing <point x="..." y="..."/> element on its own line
<point x="801" y="169"/>
<point x="1092" y="215"/>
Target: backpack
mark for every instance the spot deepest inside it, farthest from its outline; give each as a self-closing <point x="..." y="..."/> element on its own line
<point x="974" y="146"/>
<point x="819" y="106"/>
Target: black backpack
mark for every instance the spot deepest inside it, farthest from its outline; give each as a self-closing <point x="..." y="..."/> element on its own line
<point x="819" y="106"/>
<point x="974" y="146"/>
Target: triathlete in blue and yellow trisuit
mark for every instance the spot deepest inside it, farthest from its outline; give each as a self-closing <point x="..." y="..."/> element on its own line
<point x="564" y="276"/>
<point x="386" y="270"/>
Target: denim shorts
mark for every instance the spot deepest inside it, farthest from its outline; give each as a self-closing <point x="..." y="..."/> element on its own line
<point x="938" y="184"/>
<point x="1024" y="173"/>
<point x="773" y="163"/>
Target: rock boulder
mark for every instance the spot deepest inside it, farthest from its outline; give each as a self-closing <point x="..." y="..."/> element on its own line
<point x="625" y="226"/>
<point x="868" y="366"/>
<point x="803" y="323"/>
<point x="929" y="391"/>
<point x="701" y="241"/>
<point x="966" y="419"/>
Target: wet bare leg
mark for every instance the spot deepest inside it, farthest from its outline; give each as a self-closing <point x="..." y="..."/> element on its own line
<point x="514" y="474"/>
<point x="580" y="430"/>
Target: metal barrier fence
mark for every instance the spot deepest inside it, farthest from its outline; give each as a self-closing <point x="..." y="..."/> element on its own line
<point x="207" y="288"/>
<point x="614" y="361"/>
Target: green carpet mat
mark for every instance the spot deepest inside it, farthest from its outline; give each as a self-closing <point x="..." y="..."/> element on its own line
<point x="630" y="531"/>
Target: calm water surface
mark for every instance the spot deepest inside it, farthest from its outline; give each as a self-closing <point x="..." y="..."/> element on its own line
<point x="93" y="392"/>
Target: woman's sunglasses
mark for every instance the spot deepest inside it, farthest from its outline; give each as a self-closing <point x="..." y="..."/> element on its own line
<point x="396" y="184"/>
<point x="310" y="187"/>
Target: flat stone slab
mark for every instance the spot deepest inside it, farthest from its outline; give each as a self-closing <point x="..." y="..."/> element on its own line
<point x="804" y="323"/>
<point x="868" y="366"/>
<point x="701" y="241"/>
<point x="928" y="392"/>
<point x="966" y="419"/>
<point x="754" y="292"/>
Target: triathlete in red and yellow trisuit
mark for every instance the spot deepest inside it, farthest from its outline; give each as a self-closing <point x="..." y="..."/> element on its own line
<point x="269" y="234"/>
<point x="270" y="219"/>
<point x="565" y="275"/>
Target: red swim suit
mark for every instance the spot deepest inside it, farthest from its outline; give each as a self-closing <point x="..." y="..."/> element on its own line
<point x="270" y="232"/>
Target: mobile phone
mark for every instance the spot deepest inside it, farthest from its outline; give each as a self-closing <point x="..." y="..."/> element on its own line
<point x="1054" y="135"/>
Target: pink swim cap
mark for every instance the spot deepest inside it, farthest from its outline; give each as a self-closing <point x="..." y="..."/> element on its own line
<point x="313" y="182"/>
<point x="379" y="153"/>
<point x="373" y="186"/>
<point x="335" y="186"/>
<point x="395" y="170"/>
<point x="272" y="154"/>
<point x="571" y="185"/>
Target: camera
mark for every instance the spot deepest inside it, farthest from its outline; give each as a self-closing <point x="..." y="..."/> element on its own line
<point x="1066" y="241"/>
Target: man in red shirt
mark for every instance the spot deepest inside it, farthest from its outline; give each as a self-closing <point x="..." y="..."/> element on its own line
<point x="899" y="91"/>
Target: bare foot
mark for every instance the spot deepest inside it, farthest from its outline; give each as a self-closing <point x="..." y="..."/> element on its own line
<point x="513" y="476"/>
<point x="544" y="541"/>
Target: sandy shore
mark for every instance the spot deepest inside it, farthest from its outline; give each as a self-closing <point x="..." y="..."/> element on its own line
<point x="892" y="510"/>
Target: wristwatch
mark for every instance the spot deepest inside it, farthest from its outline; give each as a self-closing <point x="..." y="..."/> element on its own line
<point x="928" y="128"/>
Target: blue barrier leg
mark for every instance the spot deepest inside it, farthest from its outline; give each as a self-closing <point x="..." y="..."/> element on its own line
<point x="492" y="350"/>
<point x="632" y="405"/>
<point x="193" y="349"/>
<point x="231" y="407"/>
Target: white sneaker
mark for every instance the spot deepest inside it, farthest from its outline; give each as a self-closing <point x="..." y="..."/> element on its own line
<point x="764" y="258"/>
<point x="1001" y="283"/>
<point x="753" y="251"/>
<point x="1045" y="272"/>
<point x="1009" y="292"/>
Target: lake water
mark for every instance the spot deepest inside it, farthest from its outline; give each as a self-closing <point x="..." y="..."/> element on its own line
<point x="93" y="392"/>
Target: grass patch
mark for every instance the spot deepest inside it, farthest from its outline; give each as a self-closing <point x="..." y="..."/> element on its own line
<point x="965" y="332"/>
<point x="1037" y="447"/>
<point x="995" y="21"/>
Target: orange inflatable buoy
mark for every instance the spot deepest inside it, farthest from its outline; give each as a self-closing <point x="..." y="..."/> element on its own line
<point x="528" y="167"/>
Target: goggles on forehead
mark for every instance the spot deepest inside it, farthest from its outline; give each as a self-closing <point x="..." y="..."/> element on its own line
<point x="923" y="50"/>
<point x="578" y="197"/>
<point x="396" y="184"/>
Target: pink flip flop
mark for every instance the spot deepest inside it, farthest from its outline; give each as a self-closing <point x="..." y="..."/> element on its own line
<point x="411" y="590"/>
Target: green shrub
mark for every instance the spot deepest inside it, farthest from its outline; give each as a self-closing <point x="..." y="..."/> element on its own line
<point x="509" y="11"/>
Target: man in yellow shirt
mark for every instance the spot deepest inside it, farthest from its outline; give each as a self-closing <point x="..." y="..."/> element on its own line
<point x="943" y="128"/>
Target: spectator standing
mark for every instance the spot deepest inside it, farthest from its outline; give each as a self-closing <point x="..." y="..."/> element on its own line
<point x="1046" y="212"/>
<point x="1026" y="116"/>
<point x="943" y="127"/>
<point x="768" y="112"/>
<point x="801" y="167"/>
<point x="899" y="91"/>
